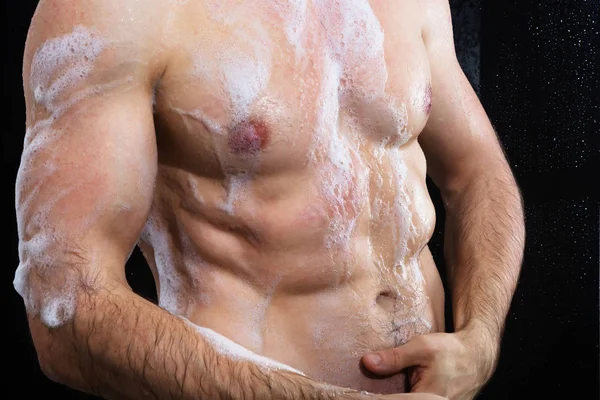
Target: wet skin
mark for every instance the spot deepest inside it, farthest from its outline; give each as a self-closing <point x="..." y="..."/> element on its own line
<point x="277" y="167"/>
<point x="295" y="221"/>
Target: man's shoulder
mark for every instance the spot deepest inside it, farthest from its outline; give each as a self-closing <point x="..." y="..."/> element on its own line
<point x="112" y="18"/>
<point x="131" y="31"/>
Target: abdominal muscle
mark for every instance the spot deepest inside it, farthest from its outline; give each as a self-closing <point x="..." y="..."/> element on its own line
<point x="291" y="214"/>
<point x="322" y="334"/>
<point x="265" y="276"/>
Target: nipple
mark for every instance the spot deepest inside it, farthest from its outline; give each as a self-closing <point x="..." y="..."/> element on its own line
<point x="248" y="137"/>
<point x="427" y="100"/>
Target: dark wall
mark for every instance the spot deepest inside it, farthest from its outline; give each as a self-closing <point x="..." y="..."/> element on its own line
<point x="540" y="86"/>
<point x="534" y="66"/>
<point x="466" y="22"/>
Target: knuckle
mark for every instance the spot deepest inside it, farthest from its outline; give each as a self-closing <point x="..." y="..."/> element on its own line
<point x="430" y="346"/>
<point x="397" y="356"/>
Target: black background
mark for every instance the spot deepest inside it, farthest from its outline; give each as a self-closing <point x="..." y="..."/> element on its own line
<point x="534" y="65"/>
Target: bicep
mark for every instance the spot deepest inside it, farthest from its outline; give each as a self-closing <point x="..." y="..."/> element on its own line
<point x="86" y="179"/>
<point x="458" y="138"/>
<point x="87" y="171"/>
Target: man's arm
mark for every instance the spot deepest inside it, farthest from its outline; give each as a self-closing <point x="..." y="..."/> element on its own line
<point x="484" y="237"/>
<point x="84" y="190"/>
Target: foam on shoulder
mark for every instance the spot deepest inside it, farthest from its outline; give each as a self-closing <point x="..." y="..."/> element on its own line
<point x="63" y="62"/>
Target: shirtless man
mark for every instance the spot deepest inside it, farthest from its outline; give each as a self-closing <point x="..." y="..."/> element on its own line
<point x="269" y="158"/>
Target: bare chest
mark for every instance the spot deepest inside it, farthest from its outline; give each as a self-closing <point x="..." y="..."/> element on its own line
<point x="263" y="85"/>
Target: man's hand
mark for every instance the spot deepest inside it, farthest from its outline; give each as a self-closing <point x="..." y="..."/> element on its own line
<point x="453" y="365"/>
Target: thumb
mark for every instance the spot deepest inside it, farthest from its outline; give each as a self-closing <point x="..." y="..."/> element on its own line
<point x="392" y="361"/>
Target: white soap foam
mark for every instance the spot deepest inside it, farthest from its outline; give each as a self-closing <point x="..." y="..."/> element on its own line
<point x="30" y="177"/>
<point x="344" y="189"/>
<point x="58" y="309"/>
<point x="62" y="63"/>
<point x="355" y="58"/>
<point x="237" y="184"/>
<point x="355" y="42"/>
<point x="234" y="351"/>
<point x="52" y="299"/>
<point x="198" y="115"/>
<point x="44" y="246"/>
<point x="237" y="187"/>
<point x="198" y="270"/>
<point x="405" y="216"/>
<point x="409" y="278"/>
<point x="402" y="202"/>
<point x="335" y="167"/>
<point x="212" y="125"/>
<point x="255" y="312"/>
<point x="293" y="15"/>
<point x="172" y="295"/>
<point x="59" y="68"/>
<point x="242" y="66"/>
<point x="224" y="11"/>
<point x="22" y="287"/>
<point x="408" y="325"/>
<point x="355" y="38"/>
<point x="244" y="80"/>
<point x="400" y="120"/>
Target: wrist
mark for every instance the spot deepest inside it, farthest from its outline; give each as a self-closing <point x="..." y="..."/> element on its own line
<point x="483" y="344"/>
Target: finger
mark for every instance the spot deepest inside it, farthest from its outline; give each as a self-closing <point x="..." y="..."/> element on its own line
<point x="392" y="361"/>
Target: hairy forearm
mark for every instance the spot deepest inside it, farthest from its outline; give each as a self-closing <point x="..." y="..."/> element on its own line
<point x="121" y="346"/>
<point x="484" y="243"/>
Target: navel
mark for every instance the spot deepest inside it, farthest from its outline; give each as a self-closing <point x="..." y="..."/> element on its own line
<point x="248" y="137"/>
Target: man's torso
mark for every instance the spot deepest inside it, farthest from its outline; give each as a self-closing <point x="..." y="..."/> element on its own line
<point x="291" y="213"/>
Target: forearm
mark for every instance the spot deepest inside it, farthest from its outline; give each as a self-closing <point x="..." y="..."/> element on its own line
<point x="121" y="346"/>
<point x="484" y="243"/>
